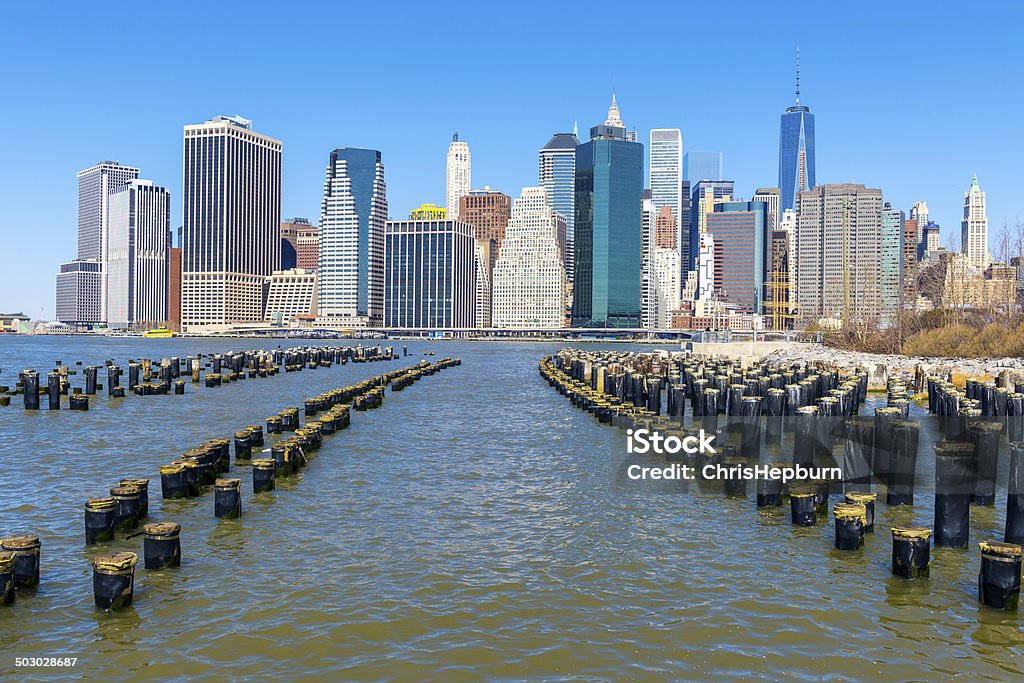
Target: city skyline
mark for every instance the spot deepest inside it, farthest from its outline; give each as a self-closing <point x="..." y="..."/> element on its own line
<point x="857" y="138"/>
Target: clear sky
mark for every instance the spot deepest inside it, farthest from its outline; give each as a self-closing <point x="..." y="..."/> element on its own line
<point x="911" y="97"/>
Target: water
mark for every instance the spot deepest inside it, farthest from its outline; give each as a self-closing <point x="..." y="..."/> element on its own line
<point x="470" y="528"/>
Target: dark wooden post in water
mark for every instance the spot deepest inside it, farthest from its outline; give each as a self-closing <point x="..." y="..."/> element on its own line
<point x="911" y="551"/>
<point x="999" y="578"/>
<point x="956" y="475"/>
<point x="985" y="437"/>
<point x="113" y="580"/>
<point x="26" y="549"/>
<point x="6" y="577"/>
<point x="802" y="504"/>
<point x="868" y="501"/>
<point x="903" y="463"/>
<point x="100" y="516"/>
<point x="227" y="500"/>
<point x="162" y="545"/>
<point x="1014" y="532"/>
<point x="30" y="383"/>
<point x="851" y="519"/>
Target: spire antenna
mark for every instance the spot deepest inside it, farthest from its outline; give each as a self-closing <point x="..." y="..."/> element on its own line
<point x="798" y="74"/>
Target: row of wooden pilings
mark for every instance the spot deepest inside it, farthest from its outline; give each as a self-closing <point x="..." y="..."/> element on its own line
<point x="148" y="377"/>
<point x="191" y="476"/>
<point x="819" y="404"/>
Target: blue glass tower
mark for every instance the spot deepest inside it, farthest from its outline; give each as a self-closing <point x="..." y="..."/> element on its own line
<point x="609" y="193"/>
<point x="796" y="149"/>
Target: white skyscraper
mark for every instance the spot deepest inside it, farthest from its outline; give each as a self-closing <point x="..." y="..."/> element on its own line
<point x="770" y="196"/>
<point x="648" y="306"/>
<point x="666" y="280"/>
<point x="353" y="214"/>
<point x="457" y="176"/>
<point x="974" y="226"/>
<point x="529" y="276"/>
<point x="138" y="234"/>
<point x="919" y="213"/>
<point x="666" y="169"/>
<point x="482" y="263"/>
<point x="231" y="223"/>
<point x="788" y="224"/>
<point x="95" y="185"/>
<point x="706" y="267"/>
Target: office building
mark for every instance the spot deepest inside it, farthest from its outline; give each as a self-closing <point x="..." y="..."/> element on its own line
<point x="698" y="166"/>
<point x="488" y="211"/>
<point x="919" y="213"/>
<point x="301" y="236"/>
<point x="666" y="168"/>
<point x="706" y="267"/>
<point x="350" y="274"/>
<point x="291" y="296"/>
<point x="770" y="196"/>
<point x="796" y="149"/>
<point x="231" y="233"/>
<point x="703" y="197"/>
<point x="529" y="275"/>
<point x="742" y="245"/>
<point x="891" y="264"/>
<point x="457" y="176"/>
<point x="609" y="188"/>
<point x="838" y="247"/>
<point x="666" y="285"/>
<point x="79" y="293"/>
<point x="139" y="234"/>
<point x="558" y="178"/>
<point x="174" y="288"/>
<point x="908" y="268"/>
<point x="483" y="263"/>
<point x="647" y="228"/>
<point x="974" y="227"/>
<point x="930" y="245"/>
<point x="429" y="275"/>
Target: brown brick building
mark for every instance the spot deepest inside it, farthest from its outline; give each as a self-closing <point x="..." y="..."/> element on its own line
<point x="174" y="288"/>
<point x="665" y="229"/>
<point x="488" y="212"/>
<point x="303" y="237"/>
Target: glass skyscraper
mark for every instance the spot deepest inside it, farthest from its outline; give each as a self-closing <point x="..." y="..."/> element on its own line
<point x="609" y="193"/>
<point x="558" y="178"/>
<point x="699" y="166"/>
<point x="703" y="197"/>
<point x="796" y="149"/>
<point x="741" y="234"/>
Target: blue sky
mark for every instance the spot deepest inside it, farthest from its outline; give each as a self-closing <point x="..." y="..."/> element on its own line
<point x="910" y="97"/>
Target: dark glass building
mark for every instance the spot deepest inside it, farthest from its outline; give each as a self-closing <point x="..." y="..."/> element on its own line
<point x="609" y="192"/>
<point x="742" y="252"/>
<point x="703" y="196"/>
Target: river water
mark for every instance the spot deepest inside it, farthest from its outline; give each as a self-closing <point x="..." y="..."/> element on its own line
<point x="471" y="528"/>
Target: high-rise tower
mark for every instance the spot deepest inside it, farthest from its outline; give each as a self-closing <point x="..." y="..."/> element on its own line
<point x="558" y="178"/>
<point x="974" y="226"/>
<point x="796" y="149"/>
<point x="457" y="176"/>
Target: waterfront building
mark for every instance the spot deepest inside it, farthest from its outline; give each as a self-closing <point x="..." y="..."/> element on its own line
<point x="609" y="188"/>
<point x="457" y="175"/>
<point x="703" y="197"/>
<point x="291" y="295"/>
<point x="742" y="253"/>
<point x="14" y="323"/>
<point x="796" y="149"/>
<point x="428" y="212"/>
<point x="139" y="235"/>
<point x="79" y="293"/>
<point x="529" y="275"/>
<point x="301" y="236"/>
<point x="698" y="166"/>
<point x="483" y="261"/>
<point x="890" y="263"/>
<point x="557" y="175"/>
<point x="429" y="275"/>
<point x="174" y="288"/>
<point x="95" y="184"/>
<point x="666" y="169"/>
<point x="353" y="213"/>
<point x="838" y="247"/>
<point x="488" y="211"/>
<point x="974" y="227"/>
<point x="231" y="235"/>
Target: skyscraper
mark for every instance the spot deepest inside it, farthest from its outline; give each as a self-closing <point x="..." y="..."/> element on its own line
<point x="742" y="252"/>
<point x="796" y="149"/>
<point x="838" y="247"/>
<point x="350" y="272"/>
<point x="457" y="176"/>
<point x="698" y="166"/>
<point x="770" y="196"/>
<point x="302" y="236"/>
<point x="483" y="260"/>
<point x="666" y="168"/>
<point x="609" y="189"/>
<point x="429" y="275"/>
<point x="891" y="264"/>
<point x="558" y="178"/>
<point x="231" y="236"/>
<point x="95" y="185"/>
<point x="919" y="213"/>
<point x="703" y="197"/>
<point x="139" y="235"/>
<point x="908" y="267"/>
<point x="666" y="285"/>
<point x="529" y="276"/>
<point x="488" y="211"/>
<point x="974" y="226"/>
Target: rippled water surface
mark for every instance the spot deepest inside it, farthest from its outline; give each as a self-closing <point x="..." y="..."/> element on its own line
<point x="471" y="528"/>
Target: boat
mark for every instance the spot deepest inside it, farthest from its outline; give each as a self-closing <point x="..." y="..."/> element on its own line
<point x="158" y="333"/>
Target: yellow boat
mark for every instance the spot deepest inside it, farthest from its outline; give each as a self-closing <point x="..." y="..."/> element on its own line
<point x="158" y="333"/>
